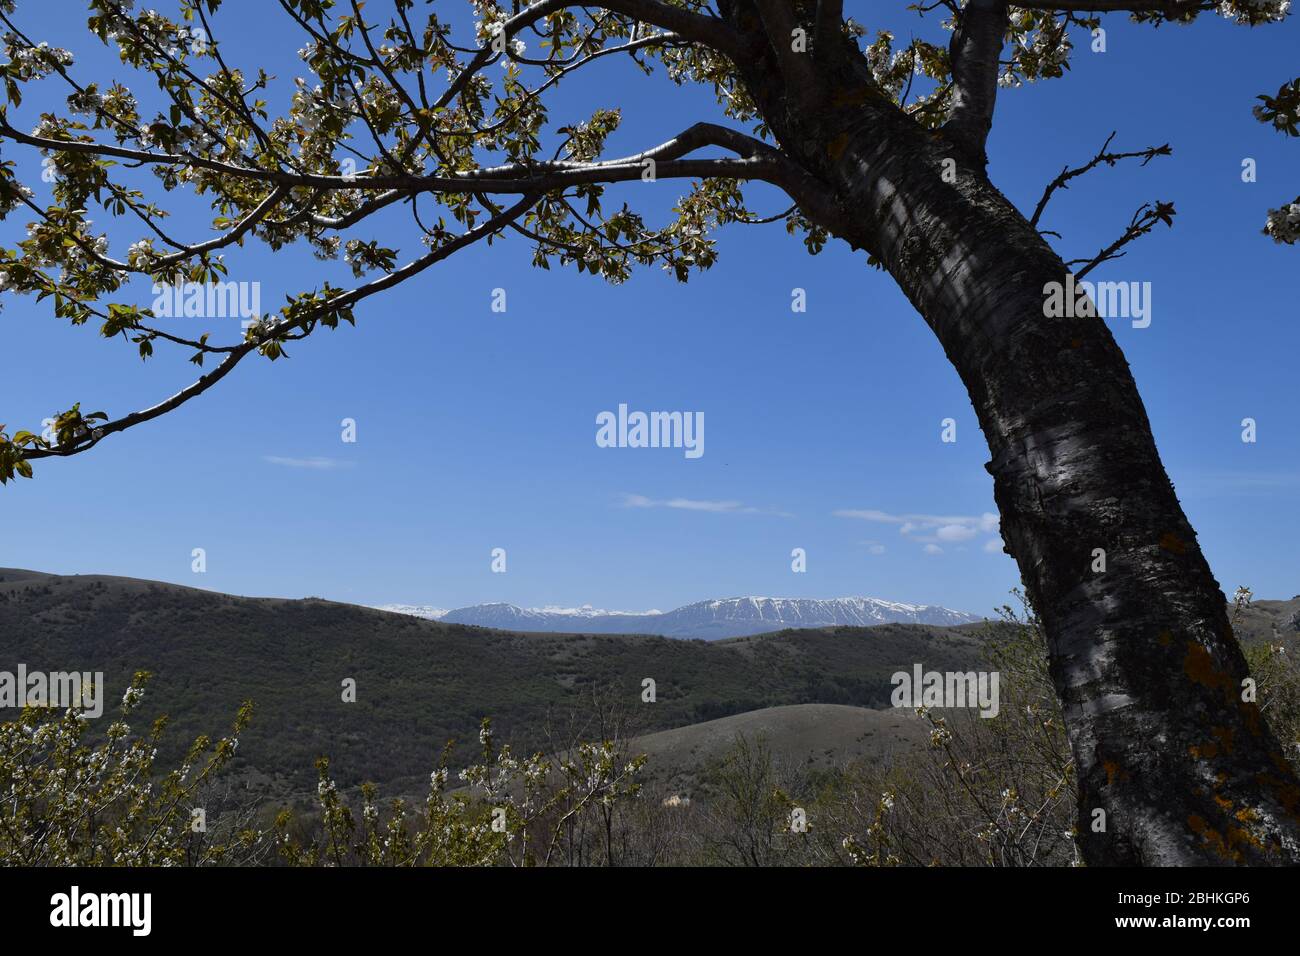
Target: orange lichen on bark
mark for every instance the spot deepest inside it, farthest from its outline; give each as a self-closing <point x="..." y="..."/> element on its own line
<point x="1229" y="847"/>
<point x="853" y="96"/>
<point x="1206" y="751"/>
<point x="1200" y="667"/>
<point x="1209" y="749"/>
<point x="1287" y="794"/>
<point x="1113" y="772"/>
<point x="1213" y="838"/>
<point x="1172" y="543"/>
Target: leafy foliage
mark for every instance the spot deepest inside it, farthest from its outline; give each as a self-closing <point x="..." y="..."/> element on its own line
<point x="400" y="111"/>
<point x="1282" y="112"/>
<point x="70" y="802"/>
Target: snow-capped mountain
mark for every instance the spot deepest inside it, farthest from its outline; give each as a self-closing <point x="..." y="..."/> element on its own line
<point x="585" y="618"/>
<point x="730" y="617"/>
<point x="415" y="610"/>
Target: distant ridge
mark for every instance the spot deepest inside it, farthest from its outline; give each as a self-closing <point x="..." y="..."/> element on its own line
<point x="424" y="682"/>
<point x="421" y="683"/>
<point x="710" y="620"/>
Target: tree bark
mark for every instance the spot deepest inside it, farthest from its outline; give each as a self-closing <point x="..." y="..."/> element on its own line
<point x="1143" y="655"/>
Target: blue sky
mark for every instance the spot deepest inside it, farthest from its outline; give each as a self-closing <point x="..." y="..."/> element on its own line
<point x="476" y="430"/>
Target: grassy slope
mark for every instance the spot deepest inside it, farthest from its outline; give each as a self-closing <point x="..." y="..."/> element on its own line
<point x="816" y="736"/>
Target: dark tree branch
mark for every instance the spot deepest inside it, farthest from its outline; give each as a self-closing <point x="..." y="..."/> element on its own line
<point x="1144" y="220"/>
<point x="758" y="161"/>
<point x="779" y="24"/>
<point x="761" y="162"/>
<point x="830" y="22"/>
<point x="975" y="51"/>
<point x="1103" y="156"/>
<point x="574" y="64"/>
<point x="238" y="353"/>
<point x="707" y="31"/>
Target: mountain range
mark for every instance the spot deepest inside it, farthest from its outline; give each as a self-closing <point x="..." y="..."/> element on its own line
<point x="420" y="683"/>
<point x="707" y="620"/>
<point x="822" y="691"/>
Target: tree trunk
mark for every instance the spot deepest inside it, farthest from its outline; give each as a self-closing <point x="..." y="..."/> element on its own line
<point x="1142" y="655"/>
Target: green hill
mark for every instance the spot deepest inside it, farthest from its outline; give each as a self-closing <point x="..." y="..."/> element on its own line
<point x="419" y="683"/>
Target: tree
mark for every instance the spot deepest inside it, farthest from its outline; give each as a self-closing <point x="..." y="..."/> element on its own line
<point x="401" y="114"/>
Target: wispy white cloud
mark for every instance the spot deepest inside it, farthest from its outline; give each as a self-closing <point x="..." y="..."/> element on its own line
<point x="693" y="504"/>
<point x="319" y="464"/>
<point x="871" y="516"/>
<point x="930" y="530"/>
<point x="984" y="522"/>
